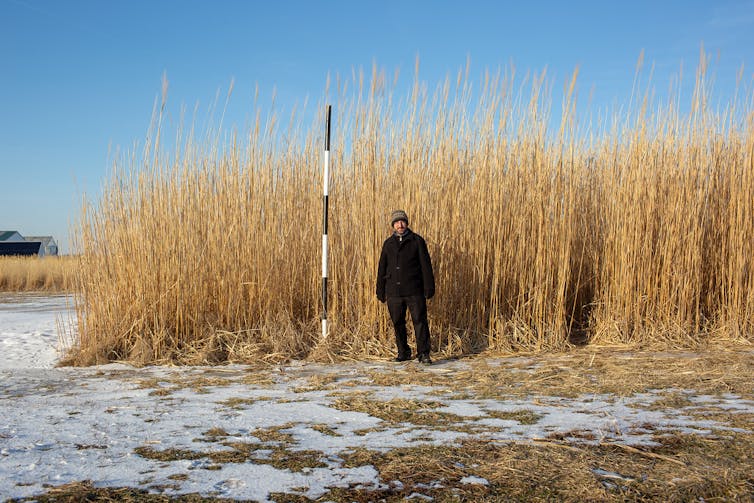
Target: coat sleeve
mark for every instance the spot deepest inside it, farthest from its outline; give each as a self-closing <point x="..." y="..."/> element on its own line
<point x="381" y="272"/>
<point x="428" y="276"/>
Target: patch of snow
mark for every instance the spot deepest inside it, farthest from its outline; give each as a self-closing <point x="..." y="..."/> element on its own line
<point x="475" y="480"/>
<point x="29" y="336"/>
<point x="605" y="474"/>
<point x="419" y="496"/>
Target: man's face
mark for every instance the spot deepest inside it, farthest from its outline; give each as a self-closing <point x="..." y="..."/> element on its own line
<point x="400" y="227"/>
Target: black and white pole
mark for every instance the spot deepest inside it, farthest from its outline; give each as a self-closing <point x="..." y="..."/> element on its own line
<point x="325" y="187"/>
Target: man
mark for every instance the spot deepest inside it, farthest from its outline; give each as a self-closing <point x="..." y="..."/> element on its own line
<point x="405" y="280"/>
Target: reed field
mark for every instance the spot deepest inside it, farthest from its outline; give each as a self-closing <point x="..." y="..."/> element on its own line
<point x="633" y="229"/>
<point x="42" y="274"/>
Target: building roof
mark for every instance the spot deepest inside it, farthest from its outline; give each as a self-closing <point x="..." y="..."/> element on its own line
<point x="7" y="234"/>
<point x="43" y="239"/>
<point x="20" y="248"/>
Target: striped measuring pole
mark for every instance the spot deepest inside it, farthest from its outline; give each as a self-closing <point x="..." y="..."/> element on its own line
<point x="325" y="191"/>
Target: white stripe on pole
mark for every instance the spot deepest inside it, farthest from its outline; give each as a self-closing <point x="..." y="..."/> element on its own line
<point x="325" y="193"/>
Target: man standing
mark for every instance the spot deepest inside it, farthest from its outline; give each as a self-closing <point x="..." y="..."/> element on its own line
<point x="405" y="280"/>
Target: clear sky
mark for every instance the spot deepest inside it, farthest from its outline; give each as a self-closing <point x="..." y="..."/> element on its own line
<point x="78" y="79"/>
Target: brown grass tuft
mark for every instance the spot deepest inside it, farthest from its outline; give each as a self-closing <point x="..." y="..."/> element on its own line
<point x="38" y="274"/>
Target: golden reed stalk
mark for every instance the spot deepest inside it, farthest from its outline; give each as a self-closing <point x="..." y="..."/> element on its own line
<point x="637" y="235"/>
<point x="47" y="274"/>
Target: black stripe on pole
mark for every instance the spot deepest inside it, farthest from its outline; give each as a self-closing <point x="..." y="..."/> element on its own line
<point x="327" y="127"/>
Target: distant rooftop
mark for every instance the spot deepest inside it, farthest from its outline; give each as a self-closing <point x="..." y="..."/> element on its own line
<point x="7" y="234"/>
<point x="22" y="248"/>
<point x="43" y="239"/>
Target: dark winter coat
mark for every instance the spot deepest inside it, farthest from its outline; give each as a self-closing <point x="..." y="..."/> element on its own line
<point x="405" y="268"/>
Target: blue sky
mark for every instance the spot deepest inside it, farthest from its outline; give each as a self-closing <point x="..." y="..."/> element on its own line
<point x="79" y="78"/>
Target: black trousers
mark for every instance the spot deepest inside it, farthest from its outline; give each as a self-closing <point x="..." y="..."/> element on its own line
<point x="417" y="305"/>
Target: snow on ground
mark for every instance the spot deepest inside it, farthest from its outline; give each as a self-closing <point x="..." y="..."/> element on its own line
<point x="62" y="425"/>
<point x="29" y="326"/>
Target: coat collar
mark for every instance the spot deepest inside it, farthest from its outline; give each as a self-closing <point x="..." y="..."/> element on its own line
<point x="406" y="235"/>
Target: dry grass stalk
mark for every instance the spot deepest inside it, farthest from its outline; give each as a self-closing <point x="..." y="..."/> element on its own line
<point x="639" y="236"/>
<point x="47" y="274"/>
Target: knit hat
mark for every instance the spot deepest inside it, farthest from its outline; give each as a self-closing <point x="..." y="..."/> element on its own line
<point x="398" y="215"/>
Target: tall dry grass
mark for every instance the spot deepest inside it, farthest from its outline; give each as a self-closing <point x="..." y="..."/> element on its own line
<point x="44" y="274"/>
<point x="636" y="230"/>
